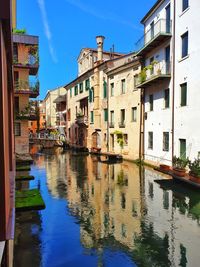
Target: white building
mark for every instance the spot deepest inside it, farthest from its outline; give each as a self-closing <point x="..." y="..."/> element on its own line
<point x="168" y="49"/>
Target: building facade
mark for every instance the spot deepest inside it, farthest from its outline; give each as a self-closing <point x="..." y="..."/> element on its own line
<point x="26" y="85"/>
<point x="167" y="51"/>
<point x="7" y="163"/>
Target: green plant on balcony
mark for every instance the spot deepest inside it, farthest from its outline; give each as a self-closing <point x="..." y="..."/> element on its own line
<point x="143" y="75"/>
<point x="19" y="31"/>
<point x="195" y="168"/>
<point x="120" y="139"/>
<point x="79" y="114"/>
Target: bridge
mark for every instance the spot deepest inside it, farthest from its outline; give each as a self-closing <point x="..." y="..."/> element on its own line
<point x="46" y="142"/>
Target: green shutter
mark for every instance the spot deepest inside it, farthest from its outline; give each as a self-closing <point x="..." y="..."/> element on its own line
<point x="182" y="148"/>
<point x="184" y="94"/>
<point x="105" y="115"/>
<point x="104" y="89"/>
<point x="92" y="116"/>
<point x="87" y="84"/>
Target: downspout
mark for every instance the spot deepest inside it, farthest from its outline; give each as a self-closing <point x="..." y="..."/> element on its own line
<point x="173" y="73"/>
<point x="107" y="144"/>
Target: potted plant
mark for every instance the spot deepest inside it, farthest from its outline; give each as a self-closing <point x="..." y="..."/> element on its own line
<point x="195" y="171"/>
<point x="164" y="167"/>
<point x="179" y="166"/>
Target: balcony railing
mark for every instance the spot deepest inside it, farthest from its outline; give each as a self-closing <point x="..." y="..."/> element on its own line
<point x="155" y="35"/>
<point x="82" y="119"/>
<point x="26" y="87"/>
<point x="122" y="124"/>
<point x="111" y="125"/>
<point x="31" y="62"/>
<point x="151" y="73"/>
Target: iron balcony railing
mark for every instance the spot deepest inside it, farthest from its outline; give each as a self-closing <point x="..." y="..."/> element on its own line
<point x="27" y="87"/>
<point x="81" y="119"/>
<point x="161" y="27"/>
<point x="154" y="71"/>
<point x="122" y="124"/>
<point x="111" y="125"/>
<point x="32" y="60"/>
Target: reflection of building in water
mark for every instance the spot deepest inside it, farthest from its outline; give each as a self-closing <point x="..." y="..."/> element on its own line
<point x="28" y="231"/>
<point x="116" y="204"/>
<point x="169" y="212"/>
<point x="108" y="203"/>
<point x="56" y="173"/>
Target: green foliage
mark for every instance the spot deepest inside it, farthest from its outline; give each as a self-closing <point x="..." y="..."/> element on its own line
<point x="195" y="167"/>
<point x="179" y="163"/>
<point x="120" y="138"/>
<point x="19" y="31"/>
<point x="143" y="75"/>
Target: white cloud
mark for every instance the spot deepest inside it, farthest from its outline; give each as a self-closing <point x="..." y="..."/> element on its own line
<point x="47" y="30"/>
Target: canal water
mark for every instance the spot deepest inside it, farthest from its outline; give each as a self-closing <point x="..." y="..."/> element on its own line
<point x="102" y="215"/>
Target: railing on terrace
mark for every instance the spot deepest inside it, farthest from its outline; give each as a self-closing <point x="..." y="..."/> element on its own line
<point x="82" y="119"/>
<point x="26" y="86"/>
<point x="122" y="124"/>
<point x="161" y="27"/>
<point x="31" y="60"/>
<point x="156" y="70"/>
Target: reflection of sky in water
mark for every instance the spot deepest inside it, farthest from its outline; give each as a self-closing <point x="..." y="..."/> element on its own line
<point x="108" y="215"/>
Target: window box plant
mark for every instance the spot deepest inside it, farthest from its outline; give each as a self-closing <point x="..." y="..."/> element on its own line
<point x="195" y="171"/>
<point x="179" y="166"/>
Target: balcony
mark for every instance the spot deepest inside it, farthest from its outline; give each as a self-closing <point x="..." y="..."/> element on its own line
<point x="158" y="33"/>
<point x="122" y="124"/>
<point x="152" y="74"/>
<point x="111" y="125"/>
<point x="31" y="63"/>
<point x="82" y="120"/>
<point x="26" y="87"/>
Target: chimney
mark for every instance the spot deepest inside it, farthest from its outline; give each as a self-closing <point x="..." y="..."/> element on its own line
<point x="100" y="40"/>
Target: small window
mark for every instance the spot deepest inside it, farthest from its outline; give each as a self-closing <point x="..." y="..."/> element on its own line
<point x="182" y="143"/>
<point x="106" y="114"/>
<point x="112" y="117"/>
<point x="185" y="4"/>
<point x="151" y="102"/>
<point x="125" y="139"/>
<point x="81" y="88"/>
<point x="184" y="39"/>
<point x="76" y="90"/>
<point x="87" y="84"/>
<point x="166" y="98"/>
<point x="183" y="94"/>
<point x="112" y="89"/>
<point x="70" y="92"/>
<point x="134" y="114"/>
<point x="91" y="95"/>
<point x="136" y="78"/>
<point x="17" y="129"/>
<point x="166" y="141"/>
<point x="16" y="104"/>
<point x="91" y="116"/>
<point x="104" y="90"/>
<point x="150" y="140"/>
<point x="123" y="86"/>
<point x="122" y="116"/>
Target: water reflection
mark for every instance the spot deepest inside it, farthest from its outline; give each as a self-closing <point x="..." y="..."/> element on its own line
<point x="123" y="216"/>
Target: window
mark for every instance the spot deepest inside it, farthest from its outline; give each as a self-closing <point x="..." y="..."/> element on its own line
<point x="134" y="114"/>
<point x="16" y="104"/>
<point x="185" y="4"/>
<point x="87" y="84"/>
<point x="76" y="90"/>
<point x="106" y="114"/>
<point x="125" y="139"/>
<point x="112" y="118"/>
<point x="151" y="102"/>
<point x="183" y="94"/>
<point x="123" y="85"/>
<point x="91" y="116"/>
<point x="136" y="80"/>
<point x="166" y="141"/>
<point x="122" y="116"/>
<point x="152" y="29"/>
<point x="91" y="95"/>
<point x="81" y="88"/>
<point x="150" y="140"/>
<point x="112" y="89"/>
<point x="17" y="129"/>
<point x="151" y="64"/>
<point x="182" y="143"/>
<point x="166" y="98"/>
<point x="104" y="89"/>
<point x="184" y="38"/>
<point x="70" y="92"/>
<point x="69" y="114"/>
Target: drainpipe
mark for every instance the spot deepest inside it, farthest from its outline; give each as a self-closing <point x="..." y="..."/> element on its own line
<point x="108" y="89"/>
<point x="173" y="73"/>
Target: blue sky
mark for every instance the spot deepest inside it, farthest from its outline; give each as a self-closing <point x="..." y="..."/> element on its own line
<point x="66" y="26"/>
